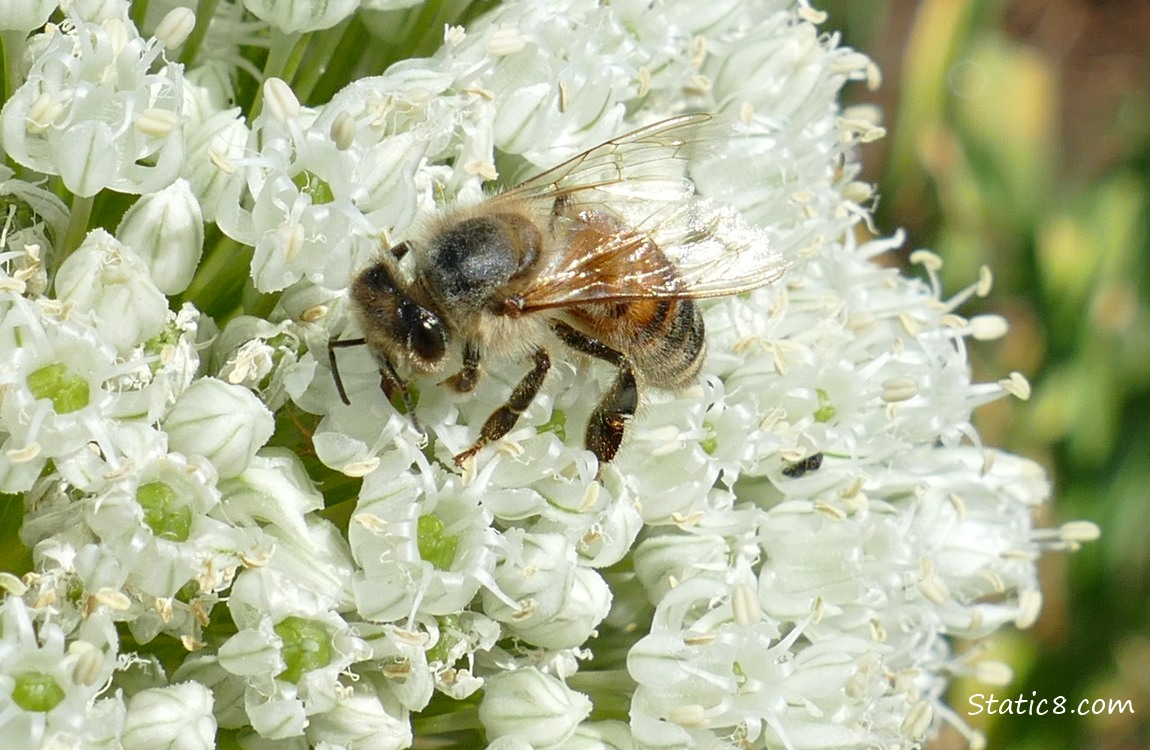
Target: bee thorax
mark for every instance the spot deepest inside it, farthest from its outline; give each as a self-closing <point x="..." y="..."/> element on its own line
<point x="470" y="262"/>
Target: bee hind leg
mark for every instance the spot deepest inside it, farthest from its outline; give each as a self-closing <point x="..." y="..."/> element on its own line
<point x="504" y="418"/>
<point x="608" y="421"/>
<point x="606" y="426"/>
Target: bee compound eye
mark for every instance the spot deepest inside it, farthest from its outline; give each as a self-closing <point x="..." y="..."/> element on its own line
<point x="426" y="336"/>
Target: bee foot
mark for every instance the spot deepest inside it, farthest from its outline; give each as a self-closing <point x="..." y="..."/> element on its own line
<point x="461" y="458"/>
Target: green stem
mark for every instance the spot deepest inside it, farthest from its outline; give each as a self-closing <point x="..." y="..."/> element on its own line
<point x="139" y="12"/>
<point x="15" y="558"/>
<point x="220" y="277"/>
<point x="255" y="302"/>
<point x="284" y="55"/>
<point x="610" y="691"/>
<point x="78" y="219"/>
<point x="205" y="9"/>
<point x="462" y="719"/>
<point x="321" y="51"/>
<point x="338" y="70"/>
<point x="12" y="44"/>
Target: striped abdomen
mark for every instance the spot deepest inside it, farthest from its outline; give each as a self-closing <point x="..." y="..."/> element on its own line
<point x="663" y="338"/>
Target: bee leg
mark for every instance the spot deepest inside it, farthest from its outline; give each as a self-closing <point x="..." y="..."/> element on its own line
<point x="467" y="378"/>
<point x="606" y="426"/>
<point x="504" y="418"/>
<point x="400" y="250"/>
<point x="390" y="383"/>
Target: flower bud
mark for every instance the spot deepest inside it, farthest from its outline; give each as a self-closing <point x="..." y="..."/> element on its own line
<point x="360" y="720"/>
<point x="301" y="15"/>
<point x="25" y="15"/>
<point x="175" y="716"/>
<point x="663" y="559"/>
<point x="584" y="607"/>
<point x="224" y="423"/>
<point x="166" y="229"/>
<point x="112" y="282"/>
<point x="532" y="706"/>
<point x="252" y="652"/>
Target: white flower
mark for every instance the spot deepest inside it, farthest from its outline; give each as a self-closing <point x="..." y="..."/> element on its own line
<point x="167" y="364"/>
<point x="166" y="229"/>
<point x="53" y="373"/>
<point x="296" y="16"/>
<point x="318" y="205"/>
<point x="25" y="15"/>
<point x="155" y="518"/>
<point x="558" y="603"/>
<point x="291" y="669"/>
<point x="360" y="720"/>
<point x="421" y="549"/>
<point x="779" y="555"/>
<point x="215" y="145"/>
<point x="110" y="281"/>
<point x="224" y="423"/>
<point x="175" y="716"/>
<point x="268" y="359"/>
<point x="49" y="686"/>
<point x="528" y="705"/>
<point x="92" y="111"/>
<point x="33" y="220"/>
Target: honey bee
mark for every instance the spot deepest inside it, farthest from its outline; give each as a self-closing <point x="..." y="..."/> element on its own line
<point x="604" y="254"/>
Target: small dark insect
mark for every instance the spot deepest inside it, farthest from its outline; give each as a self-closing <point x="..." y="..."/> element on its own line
<point x="604" y="254"/>
<point x="804" y="466"/>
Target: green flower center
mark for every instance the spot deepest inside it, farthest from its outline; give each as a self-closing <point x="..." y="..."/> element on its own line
<point x="310" y="183"/>
<point x="307" y="646"/>
<point x="826" y="410"/>
<point x="163" y="513"/>
<point x="53" y="382"/>
<point x="710" y="443"/>
<point x="557" y="424"/>
<point x="36" y="691"/>
<point x="436" y="546"/>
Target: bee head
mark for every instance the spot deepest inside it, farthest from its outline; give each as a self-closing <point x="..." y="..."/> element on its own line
<point x="396" y="325"/>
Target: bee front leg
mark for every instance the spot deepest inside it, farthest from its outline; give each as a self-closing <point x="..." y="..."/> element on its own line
<point x="608" y="421"/>
<point x="504" y="418"/>
<point x="391" y="384"/>
<point x="467" y="378"/>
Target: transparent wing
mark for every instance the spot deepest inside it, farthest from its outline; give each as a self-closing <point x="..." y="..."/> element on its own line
<point x="655" y="152"/>
<point x="635" y="227"/>
<point x="692" y="249"/>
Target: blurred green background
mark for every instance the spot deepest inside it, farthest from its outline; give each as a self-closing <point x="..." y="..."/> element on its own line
<point x="1020" y="139"/>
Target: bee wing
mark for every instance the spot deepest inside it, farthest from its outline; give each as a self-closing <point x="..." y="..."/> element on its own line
<point x="656" y="151"/>
<point x="715" y="250"/>
<point x="659" y="238"/>
<point x="687" y="249"/>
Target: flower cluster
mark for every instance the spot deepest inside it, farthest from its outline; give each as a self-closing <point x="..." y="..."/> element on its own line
<point x="779" y="556"/>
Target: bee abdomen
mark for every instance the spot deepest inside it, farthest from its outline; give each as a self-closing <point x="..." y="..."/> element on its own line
<point x="670" y="350"/>
<point x="664" y="338"/>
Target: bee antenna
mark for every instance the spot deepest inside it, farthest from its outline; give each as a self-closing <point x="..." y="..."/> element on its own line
<point x="331" y="347"/>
